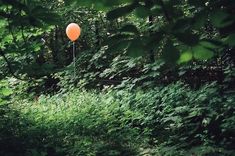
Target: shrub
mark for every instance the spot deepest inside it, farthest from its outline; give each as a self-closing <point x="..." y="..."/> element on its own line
<point x="186" y="121"/>
<point x="78" y="123"/>
<point x="170" y="120"/>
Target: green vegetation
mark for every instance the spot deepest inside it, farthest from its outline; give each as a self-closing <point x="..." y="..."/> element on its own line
<point x="173" y="120"/>
<point x="153" y="78"/>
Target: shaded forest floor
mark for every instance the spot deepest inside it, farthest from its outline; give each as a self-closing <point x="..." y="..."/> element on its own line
<point x="173" y="120"/>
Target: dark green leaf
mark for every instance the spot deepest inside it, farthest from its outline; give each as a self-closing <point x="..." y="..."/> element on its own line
<point x="188" y="38"/>
<point x="119" y="12"/>
<point x="182" y="25"/>
<point x="153" y="40"/>
<point x="136" y="48"/>
<point x="142" y="12"/>
<point x="198" y="3"/>
<point x="129" y="28"/>
<point x="156" y="10"/>
<point x="230" y="40"/>
<point x="220" y="19"/>
<point x="69" y="2"/>
<point x="199" y="20"/>
<point x="202" y="53"/>
<point x="115" y="39"/>
<point x="118" y="46"/>
<point x="208" y="44"/>
<point x="170" y="52"/>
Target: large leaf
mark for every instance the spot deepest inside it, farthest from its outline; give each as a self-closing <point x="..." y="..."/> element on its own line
<point x="142" y="12"/>
<point x="220" y="19"/>
<point x="209" y="44"/>
<point x="202" y="53"/>
<point x="182" y="25"/>
<point x="119" y="46"/>
<point x="136" y="48"/>
<point x="170" y="52"/>
<point x="156" y="10"/>
<point x="119" y="12"/>
<point x="185" y="57"/>
<point x="129" y="28"/>
<point x="188" y="38"/>
<point x="200" y="20"/>
<point x="116" y="38"/>
<point x="230" y="40"/>
<point x="153" y="40"/>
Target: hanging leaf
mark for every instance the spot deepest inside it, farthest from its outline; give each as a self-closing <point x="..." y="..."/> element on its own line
<point x="188" y="38"/>
<point x="152" y="41"/>
<point x="202" y="53"/>
<point x="156" y="10"/>
<point x="170" y="52"/>
<point x="130" y="28"/>
<point x="136" y="48"/>
<point x="220" y="19"/>
<point x="116" y="38"/>
<point x="185" y="57"/>
<point x="182" y="25"/>
<point x="208" y="44"/>
<point x="230" y="40"/>
<point x="142" y="12"/>
<point x="118" y="46"/>
<point x="200" y="20"/>
<point x="119" y="12"/>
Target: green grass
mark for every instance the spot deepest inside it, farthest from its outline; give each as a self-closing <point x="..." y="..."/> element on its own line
<point x="80" y="123"/>
<point x="170" y="120"/>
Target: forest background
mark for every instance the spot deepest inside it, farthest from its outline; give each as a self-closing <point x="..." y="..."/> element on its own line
<point x="153" y="77"/>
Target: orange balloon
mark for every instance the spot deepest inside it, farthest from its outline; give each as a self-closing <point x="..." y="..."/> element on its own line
<point x="73" y="31"/>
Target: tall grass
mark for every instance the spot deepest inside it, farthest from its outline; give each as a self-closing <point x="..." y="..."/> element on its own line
<point x="170" y="120"/>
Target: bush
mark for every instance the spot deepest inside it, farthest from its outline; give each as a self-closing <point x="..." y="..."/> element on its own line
<point x="170" y="120"/>
<point x="186" y="121"/>
<point x="77" y="123"/>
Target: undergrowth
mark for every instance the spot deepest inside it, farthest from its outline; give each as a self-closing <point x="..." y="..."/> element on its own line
<point x="171" y="120"/>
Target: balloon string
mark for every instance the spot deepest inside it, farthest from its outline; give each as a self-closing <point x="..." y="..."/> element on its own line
<point x="74" y="61"/>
